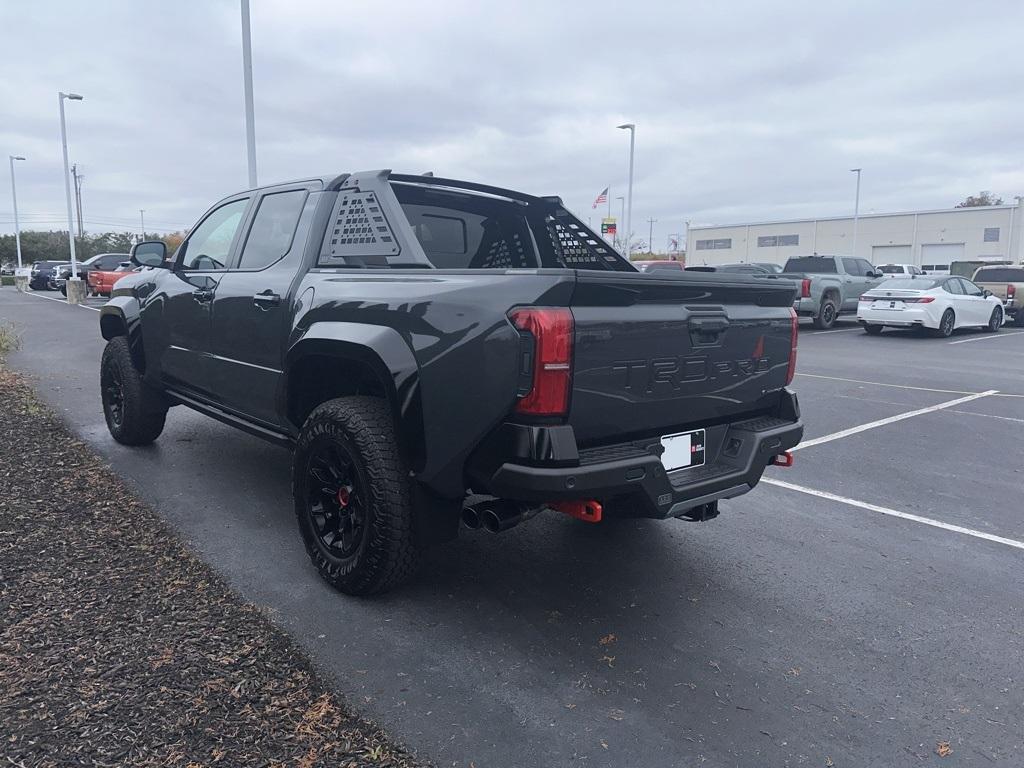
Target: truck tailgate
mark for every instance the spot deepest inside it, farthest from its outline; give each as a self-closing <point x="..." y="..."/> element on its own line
<point x="656" y="354"/>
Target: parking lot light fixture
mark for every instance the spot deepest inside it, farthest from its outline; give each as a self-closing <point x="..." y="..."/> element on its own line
<point x="67" y="177"/>
<point x="856" y="210"/>
<point x="631" y="127"/>
<point x="14" y="199"/>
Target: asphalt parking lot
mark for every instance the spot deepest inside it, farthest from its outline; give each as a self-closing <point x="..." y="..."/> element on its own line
<point x="858" y="609"/>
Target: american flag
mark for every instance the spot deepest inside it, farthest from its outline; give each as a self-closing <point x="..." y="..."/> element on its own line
<point x="601" y="199"/>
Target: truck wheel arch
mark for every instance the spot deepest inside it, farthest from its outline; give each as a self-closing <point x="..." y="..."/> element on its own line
<point x="120" y="317"/>
<point x="343" y="359"/>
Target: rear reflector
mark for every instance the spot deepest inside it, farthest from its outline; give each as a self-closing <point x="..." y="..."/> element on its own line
<point x="552" y="332"/>
<point x="793" y="331"/>
<point x="805" y="288"/>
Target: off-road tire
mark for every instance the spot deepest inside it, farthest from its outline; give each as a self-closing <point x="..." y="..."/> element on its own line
<point x="140" y="416"/>
<point x="1018" y="319"/>
<point x="946" y="324"/>
<point x="872" y="329"/>
<point x="386" y="554"/>
<point x="827" y="314"/>
<point x="995" y="322"/>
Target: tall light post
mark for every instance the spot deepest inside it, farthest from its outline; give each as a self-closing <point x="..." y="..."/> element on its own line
<point x="67" y="176"/>
<point x="14" y="197"/>
<point x="250" y="120"/>
<point x="856" y="210"/>
<point x="631" y="127"/>
<point x="622" y="214"/>
<point x="142" y="223"/>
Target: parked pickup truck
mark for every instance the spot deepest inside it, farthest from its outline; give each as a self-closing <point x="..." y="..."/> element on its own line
<point x="829" y="285"/>
<point x="436" y="350"/>
<point x="1007" y="284"/>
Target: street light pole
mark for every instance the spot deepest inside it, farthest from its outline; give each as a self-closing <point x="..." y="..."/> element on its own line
<point x="14" y="197"/>
<point x="631" y="127"/>
<point x="250" y="120"/>
<point x="622" y="216"/>
<point x="67" y="173"/>
<point x="142" y="222"/>
<point x="856" y="210"/>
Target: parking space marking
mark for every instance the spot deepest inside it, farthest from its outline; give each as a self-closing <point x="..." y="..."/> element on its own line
<point x="989" y="337"/>
<point x="840" y="330"/>
<point x="896" y="513"/>
<point x="989" y="416"/>
<point x="61" y="301"/>
<point x="891" y="420"/>
<point x="883" y="384"/>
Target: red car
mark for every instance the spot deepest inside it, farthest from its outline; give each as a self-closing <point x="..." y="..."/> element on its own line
<point x="101" y="281"/>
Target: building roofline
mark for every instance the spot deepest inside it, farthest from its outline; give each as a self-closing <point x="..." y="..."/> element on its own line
<point x="1004" y="207"/>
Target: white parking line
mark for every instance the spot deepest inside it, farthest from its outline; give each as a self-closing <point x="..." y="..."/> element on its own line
<point x="891" y="420"/>
<point x="989" y="416"/>
<point x="896" y="513"/>
<point x="883" y="384"/>
<point x="840" y="330"/>
<point x="61" y="301"/>
<point x="989" y="337"/>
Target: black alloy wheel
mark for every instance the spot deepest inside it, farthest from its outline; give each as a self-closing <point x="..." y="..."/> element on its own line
<point x="336" y="500"/>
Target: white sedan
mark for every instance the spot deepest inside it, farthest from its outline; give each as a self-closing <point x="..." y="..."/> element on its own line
<point x="940" y="303"/>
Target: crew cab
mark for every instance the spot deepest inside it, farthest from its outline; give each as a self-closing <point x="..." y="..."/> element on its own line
<point x="436" y="351"/>
<point x="829" y="285"/>
<point x="1006" y="283"/>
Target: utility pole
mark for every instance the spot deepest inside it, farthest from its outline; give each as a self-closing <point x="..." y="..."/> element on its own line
<point x="78" y="178"/>
<point x="14" y="199"/>
<point x="650" y="235"/>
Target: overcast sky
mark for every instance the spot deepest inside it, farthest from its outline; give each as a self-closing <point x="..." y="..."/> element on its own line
<point x="744" y="110"/>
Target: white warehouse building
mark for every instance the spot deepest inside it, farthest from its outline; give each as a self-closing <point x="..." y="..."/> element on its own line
<point x="930" y="239"/>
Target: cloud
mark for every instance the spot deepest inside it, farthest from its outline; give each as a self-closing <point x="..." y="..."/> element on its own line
<point x="744" y="110"/>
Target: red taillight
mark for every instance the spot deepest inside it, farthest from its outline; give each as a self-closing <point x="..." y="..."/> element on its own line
<point x="805" y="288"/>
<point x="918" y="300"/>
<point x="552" y="331"/>
<point x="1011" y="291"/>
<point x="793" y="330"/>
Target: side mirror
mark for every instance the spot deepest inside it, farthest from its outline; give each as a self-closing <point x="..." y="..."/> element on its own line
<point x="986" y="293"/>
<point x="875" y="273"/>
<point x="151" y="253"/>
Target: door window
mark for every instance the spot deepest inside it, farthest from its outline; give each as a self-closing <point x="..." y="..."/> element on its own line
<point x="851" y="267"/>
<point x="209" y="245"/>
<point x="273" y="229"/>
<point x="953" y="286"/>
<point x="865" y="267"/>
<point x="970" y="288"/>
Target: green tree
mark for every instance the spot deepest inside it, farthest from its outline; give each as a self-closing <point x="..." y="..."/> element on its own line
<point x="982" y="198"/>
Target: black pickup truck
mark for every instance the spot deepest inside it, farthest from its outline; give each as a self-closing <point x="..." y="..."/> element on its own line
<point x="436" y="350"/>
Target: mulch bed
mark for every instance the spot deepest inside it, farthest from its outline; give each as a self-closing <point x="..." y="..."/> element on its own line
<point x="119" y="647"/>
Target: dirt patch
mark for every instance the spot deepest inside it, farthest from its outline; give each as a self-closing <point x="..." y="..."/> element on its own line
<point x="119" y="647"/>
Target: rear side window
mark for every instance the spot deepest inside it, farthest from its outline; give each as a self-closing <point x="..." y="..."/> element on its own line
<point x="953" y="286"/>
<point x="273" y="228"/>
<point x="1000" y="275"/>
<point x="811" y="264"/>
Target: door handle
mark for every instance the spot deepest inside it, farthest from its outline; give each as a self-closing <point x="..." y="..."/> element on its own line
<point x="266" y="299"/>
<point x="202" y="295"/>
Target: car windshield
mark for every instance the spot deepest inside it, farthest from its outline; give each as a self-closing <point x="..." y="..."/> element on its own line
<point x="906" y="283"/>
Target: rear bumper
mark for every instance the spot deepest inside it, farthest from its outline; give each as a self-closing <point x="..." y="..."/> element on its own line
<point x="903" y="318"/>
<point x="737" y="455"/>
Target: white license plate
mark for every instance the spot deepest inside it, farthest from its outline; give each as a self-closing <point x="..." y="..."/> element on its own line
<point x="683" y="450"/>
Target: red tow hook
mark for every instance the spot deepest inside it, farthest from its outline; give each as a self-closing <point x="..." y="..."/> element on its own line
<point x="587" y="510"/>
<point x="784" y="459"/>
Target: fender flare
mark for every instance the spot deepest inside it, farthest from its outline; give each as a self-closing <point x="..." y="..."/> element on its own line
<point x="383" y="351"/>
<point x="121" y="316"/>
